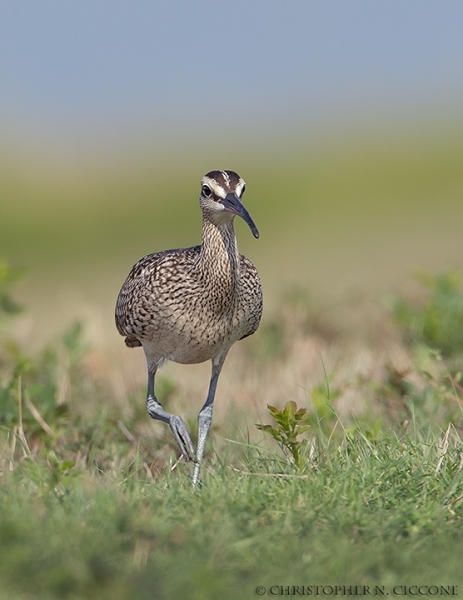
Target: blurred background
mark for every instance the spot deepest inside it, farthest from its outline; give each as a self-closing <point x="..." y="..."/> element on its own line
<point x="344" y="118"/>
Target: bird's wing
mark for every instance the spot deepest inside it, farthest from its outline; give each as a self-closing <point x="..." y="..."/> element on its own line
<point x="143" y="281"/>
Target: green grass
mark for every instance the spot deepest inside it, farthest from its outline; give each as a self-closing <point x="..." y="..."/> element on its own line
<point x="366" y="513"/>
<point x="91" y="506"/>
<point x="369" y="513"/>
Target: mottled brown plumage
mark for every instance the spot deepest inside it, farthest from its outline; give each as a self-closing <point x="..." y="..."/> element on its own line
<point x="191" y="305"/>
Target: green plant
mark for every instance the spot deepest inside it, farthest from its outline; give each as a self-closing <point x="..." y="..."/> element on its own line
<point x="289" y="426"/>
<point x="438" y="321"/>
<point x="427" y="393"/>
<point x="8" y="276"/>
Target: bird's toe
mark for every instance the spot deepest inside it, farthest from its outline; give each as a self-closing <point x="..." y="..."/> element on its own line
<point x="182" y="437"/>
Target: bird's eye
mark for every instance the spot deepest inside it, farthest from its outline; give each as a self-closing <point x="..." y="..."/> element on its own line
<point x="206" y="191"/>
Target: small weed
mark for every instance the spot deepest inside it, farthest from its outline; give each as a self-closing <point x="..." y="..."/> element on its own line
<point x="289" y="426"/>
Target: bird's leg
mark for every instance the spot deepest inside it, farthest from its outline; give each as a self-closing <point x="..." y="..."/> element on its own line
<point x="177" y="424"/>
<point x="205" y="416"/>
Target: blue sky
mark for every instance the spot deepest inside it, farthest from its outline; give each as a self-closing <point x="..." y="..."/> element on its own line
<point x="83" y="65"/>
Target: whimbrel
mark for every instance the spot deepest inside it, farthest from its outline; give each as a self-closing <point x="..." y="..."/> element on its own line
<point x="190" y="305"/>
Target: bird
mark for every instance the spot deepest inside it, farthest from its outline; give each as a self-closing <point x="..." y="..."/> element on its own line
<point x="190" y="305"/>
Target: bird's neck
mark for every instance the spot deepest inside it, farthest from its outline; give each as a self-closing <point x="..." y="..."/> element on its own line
<point x="219" y="249"/>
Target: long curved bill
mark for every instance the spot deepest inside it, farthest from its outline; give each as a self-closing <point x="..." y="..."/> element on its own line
<point x="233" y="204"/>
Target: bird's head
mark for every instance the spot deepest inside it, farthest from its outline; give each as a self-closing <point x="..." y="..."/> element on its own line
<point x="221" y="198"/>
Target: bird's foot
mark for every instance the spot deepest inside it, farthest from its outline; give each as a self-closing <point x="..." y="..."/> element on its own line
<point x="182" y="437"/>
